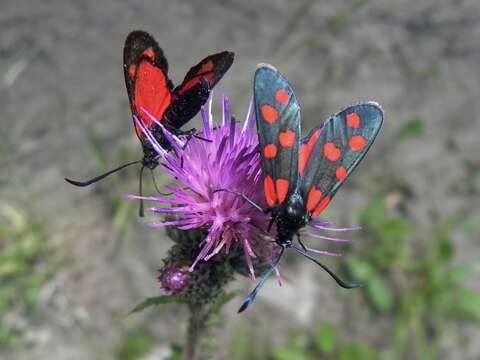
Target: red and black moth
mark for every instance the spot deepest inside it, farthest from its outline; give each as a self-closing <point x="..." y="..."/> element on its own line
<point x="302" y="175"/>
<point x="154" y="99"/>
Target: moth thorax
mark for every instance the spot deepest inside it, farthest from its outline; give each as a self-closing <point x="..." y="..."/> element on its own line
<point x="292" y="217"/>
<point x="157" y="133"/>
<point x="293" y="211"/>
<point x="285" y="232"/>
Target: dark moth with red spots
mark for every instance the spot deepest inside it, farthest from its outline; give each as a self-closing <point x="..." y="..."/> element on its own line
<point x="302" y="175"/>
<point x="154" y="101"/>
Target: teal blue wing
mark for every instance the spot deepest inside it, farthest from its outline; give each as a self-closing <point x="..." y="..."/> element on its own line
<point x="329" y="154"/>
<point x="278" y="124"/>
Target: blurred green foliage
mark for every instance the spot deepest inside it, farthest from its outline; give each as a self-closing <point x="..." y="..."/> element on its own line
<point x="325" y="343"/>
<point x="471" y="183"/>
<point x="411" y="276"/>
<point x="412" y="128"/>
<point x="136" y="344"/>
<point x="25" y="264"/>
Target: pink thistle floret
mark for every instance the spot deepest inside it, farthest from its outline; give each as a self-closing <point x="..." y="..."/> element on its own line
<point x="229" y="159"/>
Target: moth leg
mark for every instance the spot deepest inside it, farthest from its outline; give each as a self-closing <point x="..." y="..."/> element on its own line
<point x="201" y="138"/>
<point x="272" y="220"/>
<point x="156" y="185"/>
<point x="140" y="180"/>
<point x="188" y="135"/>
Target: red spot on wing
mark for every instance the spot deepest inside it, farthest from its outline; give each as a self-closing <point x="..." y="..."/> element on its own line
<point x="357" y="143"/>
<point x="287" y="138"/>
<point x="269" y="189"/>
<point x="282" y="189"/>
<point x="188" y="85"/>
<point x="353" y="120"/>
<point x="210" y="77"/>
<point x="313" y="198"/>
<point x="341" y="173"/>
<point x="270" y="151"/>
<point x="151" y="92"/>
<point x="205" y="71"/>
<point x="282" y="96"/>
<point x="149" y="53"/>
<point x="208" y="66"/>
<point x="321" y="205"/>
<point x="132" y="70"/>
<point x="331" y="152"/>
<point x="269" y="113"/>
<point x="306" y="152"/>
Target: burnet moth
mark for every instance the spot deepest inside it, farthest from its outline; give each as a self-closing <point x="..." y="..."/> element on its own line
<point x="300" y="176"/>
<point x="154" y="101"/>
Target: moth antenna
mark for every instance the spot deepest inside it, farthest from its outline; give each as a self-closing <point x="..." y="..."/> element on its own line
<point x="251" y="297"/>
<point x="100" y="177"/>
<point x="330" y="272"/>
<point x="243" y="196"/>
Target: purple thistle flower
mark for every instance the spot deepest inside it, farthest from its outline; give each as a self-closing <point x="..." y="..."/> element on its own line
<point x="229" y="159"/>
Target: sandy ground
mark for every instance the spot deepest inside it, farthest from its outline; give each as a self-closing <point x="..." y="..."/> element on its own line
<point x="61" y="83"/>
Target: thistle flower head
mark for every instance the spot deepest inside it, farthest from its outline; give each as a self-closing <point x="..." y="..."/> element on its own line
<point x="223" y="156"/>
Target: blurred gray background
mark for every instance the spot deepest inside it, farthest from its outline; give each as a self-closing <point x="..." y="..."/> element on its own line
<point x="64" y="112"/>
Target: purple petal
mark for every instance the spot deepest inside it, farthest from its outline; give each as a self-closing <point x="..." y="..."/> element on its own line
<point x="317" y="236"/>
<point x="328" y="228"/>
<point x="250" y="118"/>
<point x="225" y="110"/>
<point x="168" y="223"/>
<point x="322" y="252"/>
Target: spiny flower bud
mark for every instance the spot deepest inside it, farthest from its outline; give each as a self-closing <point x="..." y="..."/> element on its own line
<point x="174" y="280"/>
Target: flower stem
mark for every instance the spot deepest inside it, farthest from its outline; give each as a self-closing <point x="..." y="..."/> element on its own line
<point x="196" y="324"/>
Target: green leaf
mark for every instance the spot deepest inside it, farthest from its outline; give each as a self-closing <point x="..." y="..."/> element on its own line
<point x="400" y="336"/>
<point x="176" y="353"/>
<point x="468" y="305"/>
<point x="361" y="270"/>
<point x="136" y="345"/>
<point x="379" y="293"/>
<point x="240" y="346"/>
<point x="357" y="352"/>
<point x="412" y="128"/>
<point x="373" y="214"/>
<point x="445" y="248"/>
<point x="456" y="274"/>
<point x="291" y="354"/>
<point x="326" y="338"/>
<point x="396" y="229"/>
<point x="470" y="227"/>
<point x="96" y="148"/>
<point x="156" y="300"/>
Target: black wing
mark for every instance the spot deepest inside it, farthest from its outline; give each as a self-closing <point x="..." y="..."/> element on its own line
<point x="193" y="92"/>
